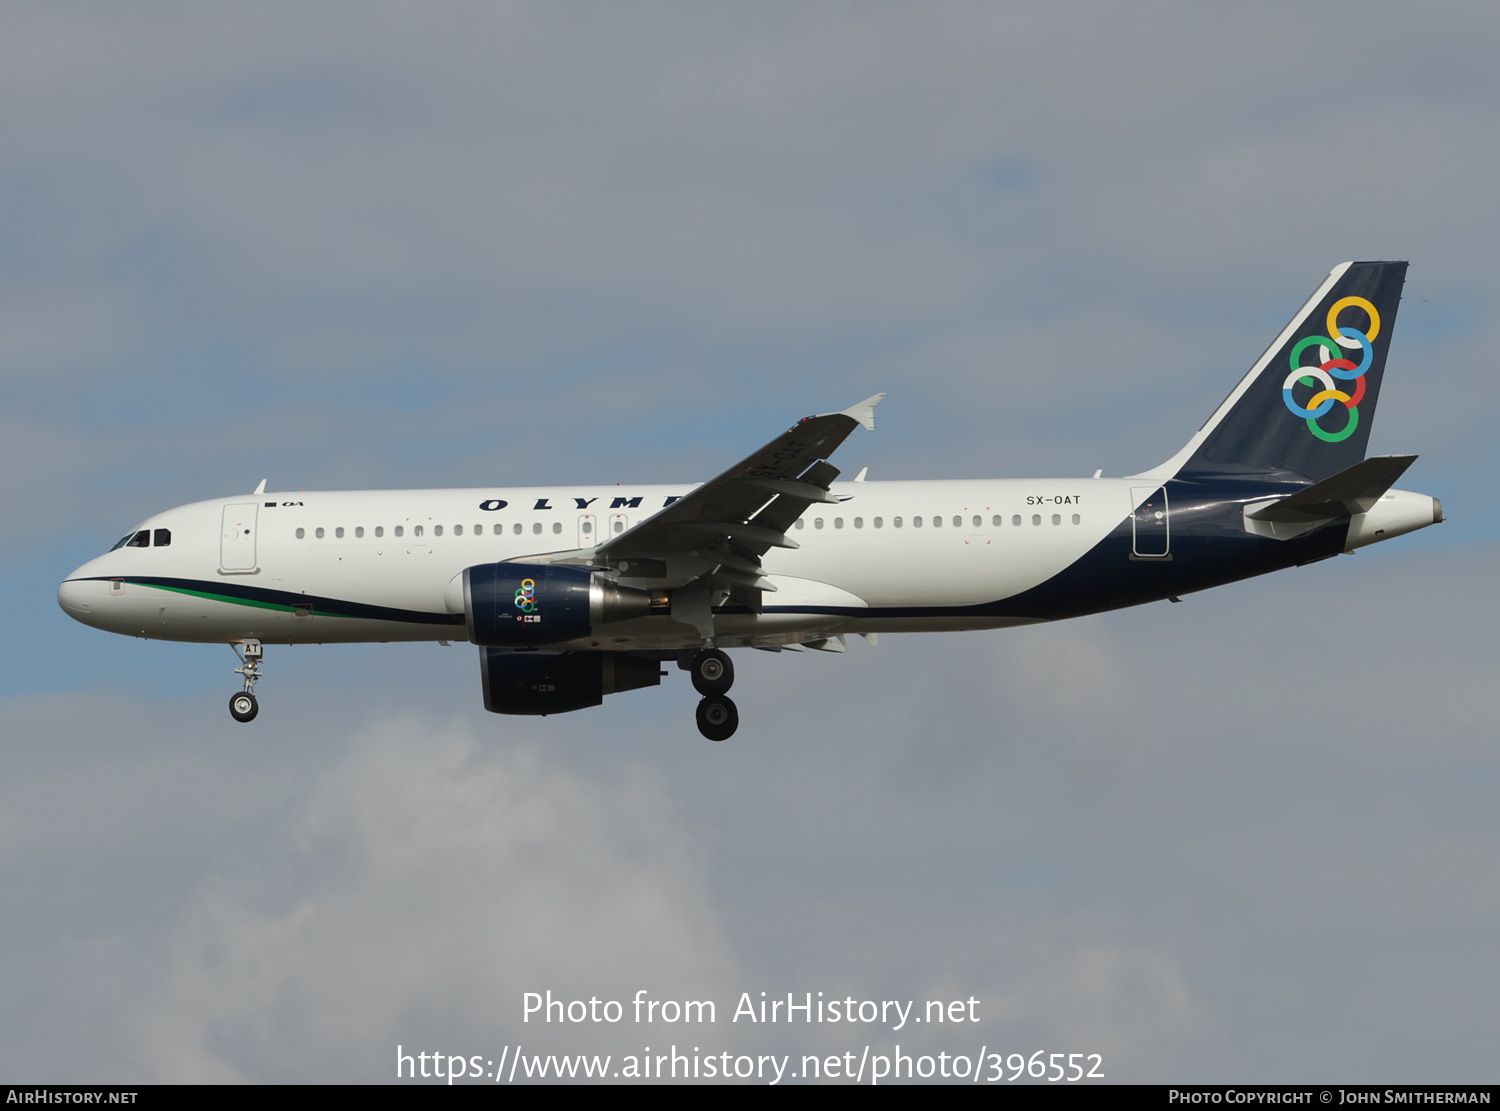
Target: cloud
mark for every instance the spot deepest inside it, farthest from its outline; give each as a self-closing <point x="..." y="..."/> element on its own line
<point x="422" y="881"/>
<point x="1182" y="837"/>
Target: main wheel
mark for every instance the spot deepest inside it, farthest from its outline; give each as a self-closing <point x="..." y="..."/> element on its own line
<point x="717" y="718"/>
<point x="712" y="672"/>
<point x="243" y="707"/>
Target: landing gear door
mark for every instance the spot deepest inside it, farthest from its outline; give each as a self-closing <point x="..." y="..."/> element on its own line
<point x="237" y="538"/>
<point x="1152" y="527"/>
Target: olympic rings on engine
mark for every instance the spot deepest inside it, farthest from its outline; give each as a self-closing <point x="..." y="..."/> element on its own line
<point x="526" y="596"/>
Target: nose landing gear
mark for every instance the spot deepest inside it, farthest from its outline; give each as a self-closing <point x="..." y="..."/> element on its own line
<point x="243" y="706"/>
<point x="713" y="675"/>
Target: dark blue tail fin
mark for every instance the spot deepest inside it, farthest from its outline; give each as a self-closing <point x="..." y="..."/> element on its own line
<point x="1308" y="403"/>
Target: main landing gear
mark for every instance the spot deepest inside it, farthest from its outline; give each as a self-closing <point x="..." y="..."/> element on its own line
<point x="243" y="706"/>
<point x="713" y="675"/>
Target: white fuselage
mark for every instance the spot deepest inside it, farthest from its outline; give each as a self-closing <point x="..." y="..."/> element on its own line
<point x="888" y="544"/>
<point x="387" y="565"/>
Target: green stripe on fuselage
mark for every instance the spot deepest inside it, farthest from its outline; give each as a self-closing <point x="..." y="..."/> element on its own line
<point x="251" y="602"/>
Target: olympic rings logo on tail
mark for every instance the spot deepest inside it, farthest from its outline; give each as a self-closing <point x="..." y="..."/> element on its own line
<point x="526" y="596"/>
<point x="1329" y="369"/>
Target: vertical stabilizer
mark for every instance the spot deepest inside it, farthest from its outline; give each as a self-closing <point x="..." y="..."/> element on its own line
<point x="1308" y="403"/>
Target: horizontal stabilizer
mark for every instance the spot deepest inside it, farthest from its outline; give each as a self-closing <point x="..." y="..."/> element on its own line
<point x="1353" y="490"/>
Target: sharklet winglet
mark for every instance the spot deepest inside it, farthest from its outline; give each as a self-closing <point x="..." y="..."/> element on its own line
<point x="863" y="412"/>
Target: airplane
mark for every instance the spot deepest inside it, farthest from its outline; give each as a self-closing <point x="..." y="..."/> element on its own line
<point x="576" y="593"/>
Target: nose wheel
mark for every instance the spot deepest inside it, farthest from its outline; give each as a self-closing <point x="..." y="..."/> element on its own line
<point x="718" y="717"/>
<point x="243" y="706"/>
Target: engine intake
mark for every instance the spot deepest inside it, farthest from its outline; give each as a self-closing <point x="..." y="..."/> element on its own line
<point x="523" y="605"/>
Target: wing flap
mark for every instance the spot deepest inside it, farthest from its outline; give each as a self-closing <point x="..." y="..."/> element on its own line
<point x="750" y="505"/>
<point x="718" y="533"/>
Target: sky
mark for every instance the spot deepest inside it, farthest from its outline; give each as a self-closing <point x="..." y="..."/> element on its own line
<point x="368" y="245"/>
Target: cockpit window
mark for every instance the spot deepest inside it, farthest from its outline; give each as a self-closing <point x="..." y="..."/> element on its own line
<point x="120" y="543"/>
<point x="141" y="539"/>
<point x="161" y="538"/>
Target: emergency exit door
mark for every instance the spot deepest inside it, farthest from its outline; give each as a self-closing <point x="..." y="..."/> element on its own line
<point x="1152" y="530"/>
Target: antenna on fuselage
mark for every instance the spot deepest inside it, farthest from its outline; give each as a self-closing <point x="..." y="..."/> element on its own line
<point x="261" y="489"/>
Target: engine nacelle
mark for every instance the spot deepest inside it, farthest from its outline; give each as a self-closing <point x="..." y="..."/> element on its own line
<point x="559" y="682"/>
<point x="522" y="605"/>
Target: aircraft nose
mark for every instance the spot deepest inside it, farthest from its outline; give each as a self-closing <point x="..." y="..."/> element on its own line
<point x="77" y="598"/>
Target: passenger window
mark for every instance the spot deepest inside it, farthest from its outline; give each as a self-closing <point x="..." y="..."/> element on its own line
<point x="339" y="532"/>
<point x="997" y="520"/>
<point x="458" y="530"/>
<point x="1077" y="520"/>
<point x="479" y="530"/>
<point x="916" y="522"/>
<point x="517" y="528"/>
<point x="301" y="534"/>
<point x="557" y="526"/>
<point x="838" y="522"/>
<point x="958" y="521"/>
<point x="800" y="524"/>
<point x="937" y="522"/>
<point x="537" y="528"/>
<point x="141" y="539"/>
<point x="1016" y="520"/>
<point x="379" y="531"/>
<point x="878" y="522"/>
<point x="859" y="522"/>
<point x="359" y="533"/>
<point x="437" y="530"/>
<point x="895" y="522"/>
<point x="1036" y="518"/>
<point x="319" y="534"/>
<point x="161" y="538"/>
<point x="397" y="531"/>
<point x="818" y="522"/>
<point x="1057" y="518"/>
<point x="417" y="531"/>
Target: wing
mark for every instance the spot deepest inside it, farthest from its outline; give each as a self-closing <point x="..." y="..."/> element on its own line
<point x="720" y="531"/>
